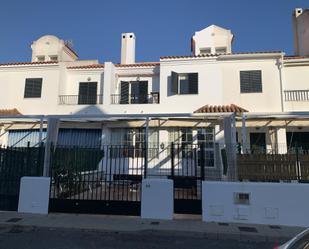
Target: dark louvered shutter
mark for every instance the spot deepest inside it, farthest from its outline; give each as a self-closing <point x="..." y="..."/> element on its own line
<point x="87" y="94"/>
<point x="33" y="88"/>
<point x="82" y="93"/>
<point x="92" y="93"/>
<point x="174" y="83"/>
<point x="124" y="92"/>
<point x="193" y="83"/>
<point x="251" y="81"/>
<point x="143" y="92"/>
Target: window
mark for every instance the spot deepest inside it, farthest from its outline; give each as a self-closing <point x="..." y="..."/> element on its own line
<point x="131" y="142"/>
<point x="258" y="142"/>
<point x="251" y="81"/>
<point x="53" y="57"/>
<point x="40" y="58"/>
<point x="221" y="50"/>
<point x="134" y="92"/>
<point x="180" y="135"/>
<point x="205" y="50"/>
<point x="33" y="88"/>
<point x="184" y="83"/>
<point x="87" y="93"/>
<point x="205" y="136"/>
<point x="298" y="140"/>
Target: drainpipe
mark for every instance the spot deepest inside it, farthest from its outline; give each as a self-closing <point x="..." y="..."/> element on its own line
<point x="280" y="67"/>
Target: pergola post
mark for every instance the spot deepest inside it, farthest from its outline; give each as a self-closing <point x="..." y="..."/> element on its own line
<point x="229" y="124"/>
<point x="51" y="139"/>
<point x="244" y="134"/>
<point x="281" y="140"/>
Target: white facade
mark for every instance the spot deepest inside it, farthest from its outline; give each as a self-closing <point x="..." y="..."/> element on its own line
<point x="218" y="84"/>
<point x="280" y="83"/>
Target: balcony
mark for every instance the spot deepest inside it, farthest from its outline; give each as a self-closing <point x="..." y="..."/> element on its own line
<point x="296" y="95"/>
<point x="152" y="98"/>
<point x="80" y="99"/>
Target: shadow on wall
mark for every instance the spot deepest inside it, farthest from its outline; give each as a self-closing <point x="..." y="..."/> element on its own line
<point x="169" y="86"/>
<point x="89" y="109"/>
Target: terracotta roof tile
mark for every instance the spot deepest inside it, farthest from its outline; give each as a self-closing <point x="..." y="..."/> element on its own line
<point x="215" y="55"/>
<point x="294" y="57"/>
<point x="93" y="66"/>
<point x="220" y="108"/>
<point x="140" y="64"/>
<point x="9" y="112"/>
<point x="28" y="63"/>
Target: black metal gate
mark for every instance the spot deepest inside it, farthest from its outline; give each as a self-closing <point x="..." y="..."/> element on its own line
<point x="187" y="171"/>
<point x="16" y="162"/>
<point x="105" y="180"/>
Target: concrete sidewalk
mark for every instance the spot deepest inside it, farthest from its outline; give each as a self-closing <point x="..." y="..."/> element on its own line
<point x="186" y="225"/>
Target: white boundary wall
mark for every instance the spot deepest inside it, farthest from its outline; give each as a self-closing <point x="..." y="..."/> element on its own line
<point x="269" y="203"/>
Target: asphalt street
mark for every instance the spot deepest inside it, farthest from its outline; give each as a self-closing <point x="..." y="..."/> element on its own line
<point x="54" y="238"/>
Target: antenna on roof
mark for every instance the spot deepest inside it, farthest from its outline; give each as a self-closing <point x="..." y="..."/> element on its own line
<point x="69" y="43"/>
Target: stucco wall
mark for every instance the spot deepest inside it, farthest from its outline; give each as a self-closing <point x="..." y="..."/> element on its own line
<point x="218" y="84"/>
<point x="269" y="203"/>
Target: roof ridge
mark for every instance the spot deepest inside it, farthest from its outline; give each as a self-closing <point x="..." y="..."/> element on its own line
<point x="218" y="54"/>
<point x="220" y="109"/>
<point x="28" y="63"/>
<point x="13" y="111"/>
<point x="98" y="65"/>
<point x="138" y="64"/>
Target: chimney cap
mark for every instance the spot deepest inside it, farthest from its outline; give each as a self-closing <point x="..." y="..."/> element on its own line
<point x="298" y="12"/>
<point x="128" y="35"/>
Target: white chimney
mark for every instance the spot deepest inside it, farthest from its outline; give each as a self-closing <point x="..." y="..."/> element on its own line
<point x="301" y="31"/>
<point x="127" y="48"/>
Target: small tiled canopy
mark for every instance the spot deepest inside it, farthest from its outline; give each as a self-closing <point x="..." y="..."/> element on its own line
<point x="9" y="112"/>
<point x="220" y="109"/>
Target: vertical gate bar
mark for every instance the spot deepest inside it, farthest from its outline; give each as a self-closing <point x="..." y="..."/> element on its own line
<point x="53" y="183"/>
<point x="202" y="161"/>
<point x="146" y="147"/>
<point x="110" y="175"/>
<point x="172" y="161"/>
<point x="41" y="131"/>
<point x="91" y="175"/>
<point x="195" y="150"/>
<point x="119" y="173"/>
<point x="123" y="158"/>
<point x="101" y="171"/>
<point x="107" y="159"/>
<point x="97" y="185"/>
<point x="297" y="162"/>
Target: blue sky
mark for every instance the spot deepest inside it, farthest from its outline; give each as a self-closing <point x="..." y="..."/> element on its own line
<point x="162" y="27"/>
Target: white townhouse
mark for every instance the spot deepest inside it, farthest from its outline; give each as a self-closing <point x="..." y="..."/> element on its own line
<point x="265" y="89"/>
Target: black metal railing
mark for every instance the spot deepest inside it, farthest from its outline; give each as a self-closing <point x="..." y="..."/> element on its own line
<point x="153" y="98"/>
<point x="296" y="95"/>
<point x="16" y="162"/>
<point x="96" y="180"/>
<point x="80" y="99"/>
